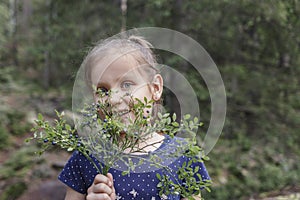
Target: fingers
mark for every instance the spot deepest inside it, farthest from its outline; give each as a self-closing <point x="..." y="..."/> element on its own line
<point x="102" y="188"/>
<point x="102" y="196"/>
<point x="100" y="178"/>
<point x="110" y="178"/>
<point x="113" y="194"/>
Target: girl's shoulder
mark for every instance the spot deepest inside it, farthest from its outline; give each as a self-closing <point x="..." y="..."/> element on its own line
<point x="76" y="155"/>
<point x="171" y="144"/>
<point x="81" y="159"/>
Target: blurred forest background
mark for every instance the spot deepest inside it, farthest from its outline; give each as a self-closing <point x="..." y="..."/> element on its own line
<point x="255" y="44"/>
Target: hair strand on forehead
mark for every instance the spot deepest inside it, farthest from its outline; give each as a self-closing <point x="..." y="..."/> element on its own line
<point x="141" y="41"/>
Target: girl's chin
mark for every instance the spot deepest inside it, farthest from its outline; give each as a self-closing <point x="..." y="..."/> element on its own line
<point x="127" y="119"/>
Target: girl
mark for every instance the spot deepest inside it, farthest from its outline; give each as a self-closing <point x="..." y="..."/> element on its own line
<point x="123" y="66"/>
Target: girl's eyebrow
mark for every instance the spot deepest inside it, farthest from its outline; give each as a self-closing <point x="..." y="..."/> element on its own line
<point x="128" y="75"/>
<point x="132" y="74"/>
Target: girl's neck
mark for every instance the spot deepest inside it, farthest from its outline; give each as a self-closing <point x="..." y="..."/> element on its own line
<point x="148" y="145"/>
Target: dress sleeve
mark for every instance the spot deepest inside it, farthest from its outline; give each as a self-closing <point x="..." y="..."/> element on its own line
<point x="74" y="173"/>
<point x="202" y="171"/>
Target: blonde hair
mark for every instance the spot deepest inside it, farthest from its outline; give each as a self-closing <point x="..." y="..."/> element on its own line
<point x="135" y="46"/>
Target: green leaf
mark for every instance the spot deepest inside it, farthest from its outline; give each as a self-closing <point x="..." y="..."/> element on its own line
<point x="205" y="157"/>
<point x="27" y="140"/>
<point x="175" y="124"/>
<point x="174" y="117"/>
<point x="68" y="127"/>
<point x="196" y="120"/>
<point x="166" y="115"/>
<point x="70" y="149"/>
<point x="158" y="176"/>
<point x="159" y="115"/>
<point x="40" y="117"/>
<point x="187" y="116"/>
<point x="125" y="173"/>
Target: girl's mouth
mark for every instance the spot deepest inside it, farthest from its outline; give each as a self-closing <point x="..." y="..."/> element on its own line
<point x="121" y="113"/>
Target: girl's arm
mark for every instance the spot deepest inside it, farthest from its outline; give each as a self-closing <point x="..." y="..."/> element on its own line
<point x="198" y="197"/>
<point x="73" y="195"/>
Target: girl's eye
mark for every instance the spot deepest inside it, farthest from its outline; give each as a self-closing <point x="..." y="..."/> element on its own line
<point x="126" y="85"/>
<point x="101" y="90"/>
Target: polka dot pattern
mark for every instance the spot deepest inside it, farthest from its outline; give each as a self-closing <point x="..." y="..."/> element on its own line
<point x="79" y="174"/>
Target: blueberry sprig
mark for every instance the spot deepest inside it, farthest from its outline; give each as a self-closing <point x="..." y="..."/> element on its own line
<point x="110" y="130"/>
<point x="60" y="135"/>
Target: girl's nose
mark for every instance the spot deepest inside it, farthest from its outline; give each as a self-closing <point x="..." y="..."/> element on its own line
<point x="115" y="98"/>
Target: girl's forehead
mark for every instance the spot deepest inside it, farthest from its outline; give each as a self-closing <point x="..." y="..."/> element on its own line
<point x="115" y="67"/>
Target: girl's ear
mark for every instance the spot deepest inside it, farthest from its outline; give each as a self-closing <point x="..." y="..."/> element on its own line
<point x="157" y="87"/>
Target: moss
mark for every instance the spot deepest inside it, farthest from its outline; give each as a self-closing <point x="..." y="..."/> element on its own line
<point x="19" y="163"/>
<point x="17" y="123"/>
<point x="4" y="137"/>
<point x="14" y="191"/>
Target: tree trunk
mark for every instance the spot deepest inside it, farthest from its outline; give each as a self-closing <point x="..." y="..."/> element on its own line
<point x="47" y="55"/>
<point x="13" y="5"/>
<point x="124" y="13"/>
<point x="46" y="71"/>
<point x="27" y="11"/>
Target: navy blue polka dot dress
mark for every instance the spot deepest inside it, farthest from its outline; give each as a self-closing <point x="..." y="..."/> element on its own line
<point x="140" y="184"/>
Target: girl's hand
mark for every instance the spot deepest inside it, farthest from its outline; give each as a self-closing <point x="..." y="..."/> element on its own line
<point x="102" y="188"/>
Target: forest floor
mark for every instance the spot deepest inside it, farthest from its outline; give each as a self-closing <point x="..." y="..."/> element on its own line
<point x="25" y="176"/>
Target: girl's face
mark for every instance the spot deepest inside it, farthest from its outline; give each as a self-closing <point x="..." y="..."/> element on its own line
<point x="125" y="78"/>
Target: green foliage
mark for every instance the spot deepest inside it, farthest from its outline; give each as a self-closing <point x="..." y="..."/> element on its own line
<point x="4" y="25"/>
<point x="14" y="191"/>
<point x="262" y="167"/>
<point x="17" y="124"/>
<point x="12" y="123"/>
<point x="4" y="137"/>
<point x="57" y="40"/>
<point x="18" y="164"/>
<point x="7" y="79"/>
<point x="187" y="174"/>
